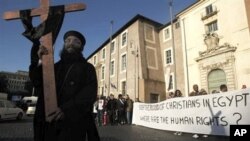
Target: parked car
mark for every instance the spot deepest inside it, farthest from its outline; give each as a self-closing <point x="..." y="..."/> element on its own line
<point x="31" y="105"/>
<point x="30" y="99"/>
<point x="8" y="110"/>
<point x="22" y="105"/>
<point x="31" y="110"/>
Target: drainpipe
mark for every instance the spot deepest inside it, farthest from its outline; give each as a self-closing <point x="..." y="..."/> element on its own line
<point x="186" y="56"/>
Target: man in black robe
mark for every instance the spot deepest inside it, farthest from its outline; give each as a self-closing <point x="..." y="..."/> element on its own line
<point x="76" y="87"/>
<point x="112" y="109"/>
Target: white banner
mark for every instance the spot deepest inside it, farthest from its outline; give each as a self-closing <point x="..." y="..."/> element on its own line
<point x="206" y="114"/>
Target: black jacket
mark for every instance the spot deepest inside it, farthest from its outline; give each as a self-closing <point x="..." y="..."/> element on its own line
<point x="76" y="87"/>
<point x="112" y="105"/>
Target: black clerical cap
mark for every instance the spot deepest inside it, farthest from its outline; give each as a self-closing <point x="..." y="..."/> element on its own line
<point x="76" y="34"/>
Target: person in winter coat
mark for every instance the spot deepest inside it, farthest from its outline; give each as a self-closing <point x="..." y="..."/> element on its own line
<point x="129" y="109"/>
<point x="121" y="105"/>
<point x="112" y="109"/>
<point x="76" y="90"/>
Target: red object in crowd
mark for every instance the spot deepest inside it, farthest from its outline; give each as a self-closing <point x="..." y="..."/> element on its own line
<point x="105" y="118"/>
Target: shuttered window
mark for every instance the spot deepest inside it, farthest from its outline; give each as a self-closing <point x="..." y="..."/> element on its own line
<point x="215" y="79"/>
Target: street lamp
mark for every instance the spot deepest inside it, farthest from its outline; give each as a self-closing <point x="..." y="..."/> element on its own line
<point x="110" y="44"/>
<point x="173" y="43"/>
<point x="136" y="68"/>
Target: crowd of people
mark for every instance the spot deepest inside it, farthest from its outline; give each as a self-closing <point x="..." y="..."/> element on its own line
<point x="113" y="111"/>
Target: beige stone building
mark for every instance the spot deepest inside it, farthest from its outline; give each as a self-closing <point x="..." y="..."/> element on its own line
<point x="15" y="81"/>
<point x="138" y="61"/>
<point x="216" y="42"/>
<point x="172" y="57"/>
<point x="207" y="44"/>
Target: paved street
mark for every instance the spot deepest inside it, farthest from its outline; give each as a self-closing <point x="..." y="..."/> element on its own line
<point x="22" y="131"/>
<point x="16" y="130"/>
<point x="139" y="133"/>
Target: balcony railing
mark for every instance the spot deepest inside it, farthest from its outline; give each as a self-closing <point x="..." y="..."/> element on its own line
<point x="206" y="16"/>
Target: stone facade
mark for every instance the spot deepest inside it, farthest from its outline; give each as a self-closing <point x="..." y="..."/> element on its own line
<point x="145" y="70"/>
<point x="209" y="46"/>
<point x="214" y="58"/>
<point x="16" y="82"/>
<point x="216" y="38"/>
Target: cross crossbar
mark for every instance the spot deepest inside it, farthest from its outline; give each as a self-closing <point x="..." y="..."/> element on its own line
<point x="12" y="15"/>
<point x="49" y="89"/>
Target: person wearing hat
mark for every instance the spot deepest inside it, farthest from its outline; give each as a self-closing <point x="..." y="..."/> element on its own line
<point x="76" y="87"/>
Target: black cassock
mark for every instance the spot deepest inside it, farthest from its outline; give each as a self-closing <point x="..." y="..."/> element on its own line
<point x="76" y="86"/>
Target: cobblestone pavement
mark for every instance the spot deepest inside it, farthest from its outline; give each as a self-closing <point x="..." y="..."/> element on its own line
<point x="23" y="131"/>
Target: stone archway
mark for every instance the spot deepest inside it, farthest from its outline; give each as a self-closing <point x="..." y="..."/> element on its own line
<point x="217" y="58"/>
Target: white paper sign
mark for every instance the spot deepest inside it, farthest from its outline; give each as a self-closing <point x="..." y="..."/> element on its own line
<point x="205" y="114"/>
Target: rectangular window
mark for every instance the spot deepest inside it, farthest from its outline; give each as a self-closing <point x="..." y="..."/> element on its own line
<point x="124" y="62"/>
<point x="124" y="38"/>
<point x="177" y="25"/>
<point x="103" y="72"/>
<point x="212" y="27"/>
<point x="209" y="9"/>
<point x="112" y="47"/>
<point x="154" y="98"/>
<point x="102" y="90"/>
<point x="166" y="34"/>
<point x="103" y="53"/>
<point x="124" y="87"/>
<point x="168" y="57"/>
<point x="112" y="69"/>
<point x="94" y="60"/>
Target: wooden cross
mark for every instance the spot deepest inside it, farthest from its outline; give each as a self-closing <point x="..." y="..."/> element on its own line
<point x="47" y="60"/>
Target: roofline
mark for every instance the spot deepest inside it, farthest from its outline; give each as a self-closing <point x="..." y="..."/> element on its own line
<point x="189" y="8"/>
<point x="134" y="19"/>
<point x="169" y="23"/>
<point x="15" y="73"/>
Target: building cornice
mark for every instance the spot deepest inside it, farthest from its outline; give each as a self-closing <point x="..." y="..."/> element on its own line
<point x="189" y="8"/>
<point x="129" y="23"/>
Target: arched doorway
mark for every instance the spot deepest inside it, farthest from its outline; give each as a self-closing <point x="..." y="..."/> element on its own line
<point x="215" y="78"/>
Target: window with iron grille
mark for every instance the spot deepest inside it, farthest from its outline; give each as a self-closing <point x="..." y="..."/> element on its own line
<point x="212" y="27"/>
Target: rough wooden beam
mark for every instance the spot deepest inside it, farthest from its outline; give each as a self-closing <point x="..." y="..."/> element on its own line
<point x="12" y="15"/>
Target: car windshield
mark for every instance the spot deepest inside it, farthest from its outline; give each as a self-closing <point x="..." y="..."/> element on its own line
<point x="10" y="104"/>
<point x="32" y="105"/>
